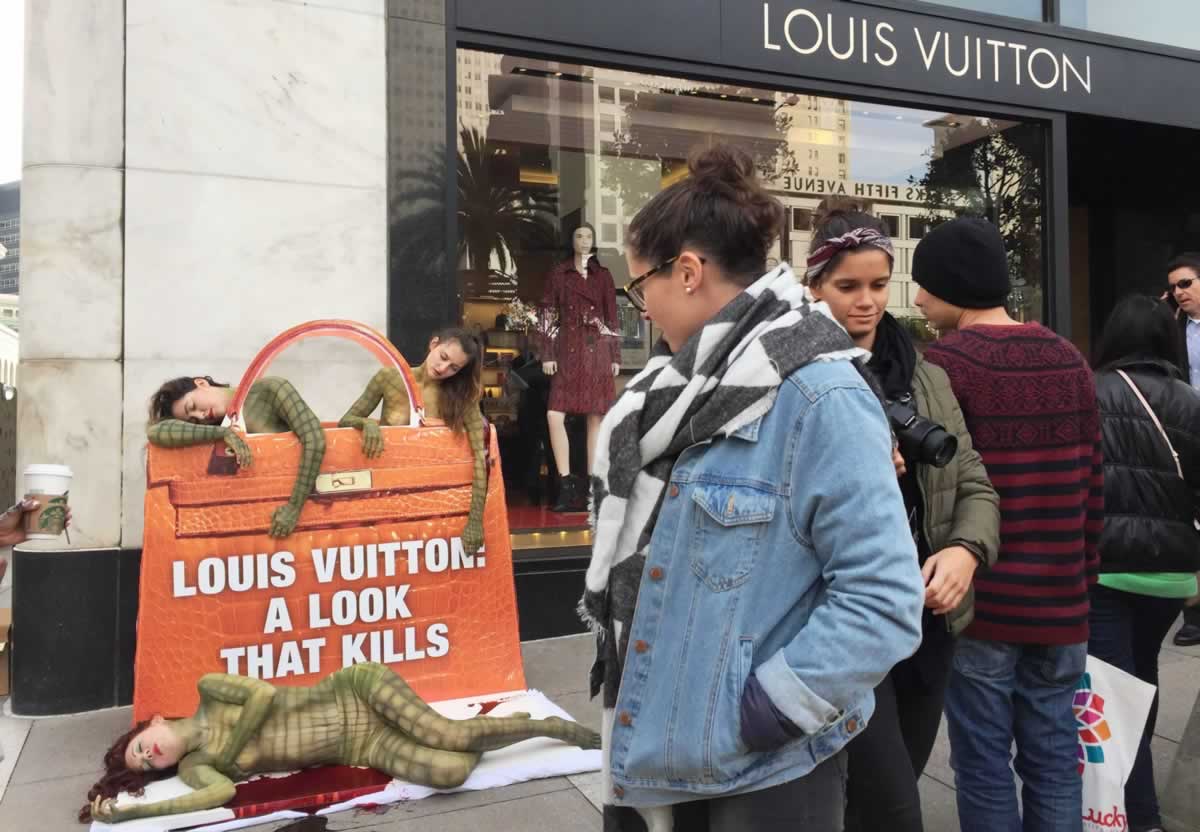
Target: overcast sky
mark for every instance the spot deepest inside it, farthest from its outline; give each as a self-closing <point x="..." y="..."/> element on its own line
<point x="12" y="71"/>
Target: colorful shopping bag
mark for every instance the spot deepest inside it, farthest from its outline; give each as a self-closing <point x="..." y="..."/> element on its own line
<point x="374" y="571"/>
<point x="1111" y="709"/>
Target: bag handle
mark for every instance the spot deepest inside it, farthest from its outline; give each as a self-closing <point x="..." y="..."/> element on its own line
<point x="361" y="334"/>
<point x="1153" y="418"/>
<point x="1161" y="431"/>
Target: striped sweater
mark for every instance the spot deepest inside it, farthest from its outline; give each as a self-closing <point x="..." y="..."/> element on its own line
<point x="1029" y="400"/>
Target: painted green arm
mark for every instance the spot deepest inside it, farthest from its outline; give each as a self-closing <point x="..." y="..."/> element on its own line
<point x="212" y="789"/>
<point x="358" y="416"/>
<point x="173" y="433"/>
<point x="473" y="534"/>
<point x="281" y="400"/>
<point x="388" y="385"/>
<point x="255" y="698"/>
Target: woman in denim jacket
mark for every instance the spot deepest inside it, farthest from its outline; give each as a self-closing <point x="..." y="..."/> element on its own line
<point x="752" y="575"/>
<point x="954" y="515"/>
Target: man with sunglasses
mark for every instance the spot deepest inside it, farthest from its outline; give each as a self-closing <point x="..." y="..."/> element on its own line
<point x="1183" y="292"/>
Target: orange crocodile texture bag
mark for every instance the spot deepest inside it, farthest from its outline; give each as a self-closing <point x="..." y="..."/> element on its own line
<point x="373" y="571"/>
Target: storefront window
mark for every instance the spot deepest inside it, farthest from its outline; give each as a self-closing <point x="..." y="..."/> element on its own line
<point x="1174" y="22"/>
<point x="557" y="146"/>
<point x="1028" y="9"/>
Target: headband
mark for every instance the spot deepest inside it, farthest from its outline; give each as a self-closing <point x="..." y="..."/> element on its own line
<point x="858" y="237"/>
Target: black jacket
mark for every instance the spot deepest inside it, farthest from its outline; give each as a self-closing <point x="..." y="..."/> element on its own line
<point x="1148" y="509"/>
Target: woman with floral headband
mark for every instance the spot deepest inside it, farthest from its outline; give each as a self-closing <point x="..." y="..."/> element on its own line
<point x="953" y="512"/>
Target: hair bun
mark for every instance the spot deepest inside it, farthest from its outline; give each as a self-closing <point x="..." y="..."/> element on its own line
<point x="722" y="163"/>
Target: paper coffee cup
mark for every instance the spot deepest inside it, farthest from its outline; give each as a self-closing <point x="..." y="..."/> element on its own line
<point x="50" y="485"/>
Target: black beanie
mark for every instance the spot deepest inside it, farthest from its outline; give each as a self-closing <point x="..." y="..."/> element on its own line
<point x="963" y="263"/>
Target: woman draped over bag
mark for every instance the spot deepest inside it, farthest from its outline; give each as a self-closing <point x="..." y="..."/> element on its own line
<point x="752" y="575"/>
<point x="1150" y="548"/>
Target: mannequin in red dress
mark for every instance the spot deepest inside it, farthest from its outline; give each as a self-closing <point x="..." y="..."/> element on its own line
<point x="582" y="356"/>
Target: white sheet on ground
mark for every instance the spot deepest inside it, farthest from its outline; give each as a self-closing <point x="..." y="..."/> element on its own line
<point x="529" y="760"/>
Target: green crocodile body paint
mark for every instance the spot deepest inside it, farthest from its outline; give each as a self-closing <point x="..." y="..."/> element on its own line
<point x="273" y="405"/>
<point x="387" y="386"/>
<point x="363" y="715"/>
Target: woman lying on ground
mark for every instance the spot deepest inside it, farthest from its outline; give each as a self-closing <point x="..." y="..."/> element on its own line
<point x="364" y="715"/>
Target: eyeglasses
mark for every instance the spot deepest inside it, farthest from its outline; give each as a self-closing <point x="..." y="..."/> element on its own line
<point x="1182" y="283"/>
<point x="633" y="289"/>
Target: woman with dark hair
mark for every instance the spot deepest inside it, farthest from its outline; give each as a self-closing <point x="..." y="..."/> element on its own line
<point x="953" y="511"/>
<point x="451" y="382"/>
<point x="747" y="524"/>
<point x="362" y="715"/>
<point x="1149" y="549"/>
<point x="190" y="410"/>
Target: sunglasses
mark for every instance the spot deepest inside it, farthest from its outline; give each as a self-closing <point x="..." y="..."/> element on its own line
<point x="1183" y="283"/>
<point x="633" y="289"/>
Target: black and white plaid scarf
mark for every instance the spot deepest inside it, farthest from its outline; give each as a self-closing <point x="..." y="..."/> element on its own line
<point x="725" y="376"/>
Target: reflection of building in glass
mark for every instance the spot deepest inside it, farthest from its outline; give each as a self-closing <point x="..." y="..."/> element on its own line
<point x="10" y="237"/>
<point x="592" y="144"/>
<point x="902" y="208"/>
<point x="474" y="71"/>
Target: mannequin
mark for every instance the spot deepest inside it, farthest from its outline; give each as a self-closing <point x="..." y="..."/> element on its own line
<point x="581" y="353"/>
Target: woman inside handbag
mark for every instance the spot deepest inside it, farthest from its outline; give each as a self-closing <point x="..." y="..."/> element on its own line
<point x="189" y="411"/>
<point x="451" y="386"/>
<point x="363" y="715"/>
<point x="1149" y="550"/>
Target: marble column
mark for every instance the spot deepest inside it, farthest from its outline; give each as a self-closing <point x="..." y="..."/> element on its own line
<point x="256" y="142"/>
<point x="65" y="598"/>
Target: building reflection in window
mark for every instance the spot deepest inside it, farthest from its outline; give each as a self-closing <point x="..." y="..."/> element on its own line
<point x="546" y="146"/>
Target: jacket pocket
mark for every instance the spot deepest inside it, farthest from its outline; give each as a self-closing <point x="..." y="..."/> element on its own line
<point x="725" y="752"/>
<point x="729" y="527"/>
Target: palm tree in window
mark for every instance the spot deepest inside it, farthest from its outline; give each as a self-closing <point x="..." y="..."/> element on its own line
<point x="495" y="215"/>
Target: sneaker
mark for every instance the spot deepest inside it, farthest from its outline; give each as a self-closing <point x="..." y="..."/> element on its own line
<point x="1188" y="636"/>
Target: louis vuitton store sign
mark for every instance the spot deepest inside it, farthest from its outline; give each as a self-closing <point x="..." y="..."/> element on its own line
<point x="924" y="48"/>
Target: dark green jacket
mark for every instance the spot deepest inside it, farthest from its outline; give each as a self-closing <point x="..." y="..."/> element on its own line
<point x="961" y="507"/>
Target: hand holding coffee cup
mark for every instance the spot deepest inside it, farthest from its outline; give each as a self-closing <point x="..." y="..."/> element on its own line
<point x="48" y="486"/>
<point x="12" y="522"/>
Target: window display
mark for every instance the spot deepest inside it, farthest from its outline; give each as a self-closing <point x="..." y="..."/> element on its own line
<point x="551" y="152"/>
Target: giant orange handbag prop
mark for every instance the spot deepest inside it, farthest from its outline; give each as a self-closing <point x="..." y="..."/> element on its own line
<point x="374" y="570"/>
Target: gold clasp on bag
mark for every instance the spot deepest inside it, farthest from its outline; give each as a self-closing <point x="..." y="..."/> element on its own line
<point x="343" y="482"/>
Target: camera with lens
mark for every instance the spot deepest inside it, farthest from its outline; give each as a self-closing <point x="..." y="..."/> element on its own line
<point x="920" y="439"/>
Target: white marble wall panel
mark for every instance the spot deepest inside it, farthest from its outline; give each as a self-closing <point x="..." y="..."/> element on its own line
<point x="371" y="7"/>
<point x="71" y="262"/>
<point x="216" y="266"/>
<point x="258" y="88"/>
<point x="329" y="387"/>
<point x="69" y="413"/>
<point x="74" y="82"/>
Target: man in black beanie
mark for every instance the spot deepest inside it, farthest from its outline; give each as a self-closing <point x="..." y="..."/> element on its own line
<point x="1030" y="404"/>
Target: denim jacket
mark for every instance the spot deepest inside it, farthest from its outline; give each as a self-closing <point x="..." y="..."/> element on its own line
<point x="784" y="550"/>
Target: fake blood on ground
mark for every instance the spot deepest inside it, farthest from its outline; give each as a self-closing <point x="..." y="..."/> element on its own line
<point x="306" y="790"/>
<point x="313" y="788"/>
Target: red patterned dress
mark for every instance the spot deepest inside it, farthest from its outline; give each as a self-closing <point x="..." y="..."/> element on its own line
<point x="581" y="335"/>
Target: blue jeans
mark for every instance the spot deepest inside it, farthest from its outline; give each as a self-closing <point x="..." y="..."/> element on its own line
<point x="1127" y="631"/>
<point x="1002" y="692"/>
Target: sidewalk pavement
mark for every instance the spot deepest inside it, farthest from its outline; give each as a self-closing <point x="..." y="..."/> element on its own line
<point x="50" y="763"/>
